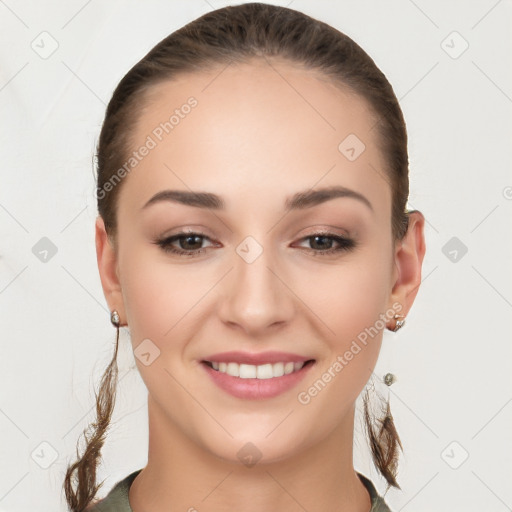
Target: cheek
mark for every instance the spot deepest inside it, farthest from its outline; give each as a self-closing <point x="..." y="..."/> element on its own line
<point x="156" y="298"/>
<point x="165" y="302"/>
<point x="351" y="309"/>
<point x="350" y="301"/>
<point x="154" y="293"/>
<point x="350" y="296"/>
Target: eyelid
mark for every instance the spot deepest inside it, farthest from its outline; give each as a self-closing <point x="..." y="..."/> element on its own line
<point x="187" y="230"/>
<point x="327" y="231"/>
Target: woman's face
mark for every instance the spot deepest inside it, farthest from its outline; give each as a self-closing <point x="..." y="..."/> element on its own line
<point x="255" y="136"/>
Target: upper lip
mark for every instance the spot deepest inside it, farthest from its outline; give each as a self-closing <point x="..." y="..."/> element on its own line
<point x="256" y="358"/>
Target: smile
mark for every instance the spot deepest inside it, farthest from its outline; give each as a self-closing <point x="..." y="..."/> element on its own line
<point x="262" y="371"/>
<point x="257" y="382"/>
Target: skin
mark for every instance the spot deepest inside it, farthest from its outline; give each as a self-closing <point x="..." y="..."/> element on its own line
<point x="255" y="139"/>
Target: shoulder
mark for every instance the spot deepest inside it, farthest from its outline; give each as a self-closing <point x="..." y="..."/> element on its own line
<point x="117" y="499"/>
<point x="378" y="503"/>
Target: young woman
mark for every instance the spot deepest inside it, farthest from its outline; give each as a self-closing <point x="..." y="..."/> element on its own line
<point x="254" y="238"/>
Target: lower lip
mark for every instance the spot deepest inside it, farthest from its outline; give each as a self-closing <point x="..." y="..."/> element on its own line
<point x="256" y="389"/>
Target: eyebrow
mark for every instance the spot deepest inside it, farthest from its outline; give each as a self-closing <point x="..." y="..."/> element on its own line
<point x="299" y="201"/>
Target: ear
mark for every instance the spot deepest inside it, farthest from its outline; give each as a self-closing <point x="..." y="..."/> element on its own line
<point x="107" y="266"/>
<point x="409" y="253"/>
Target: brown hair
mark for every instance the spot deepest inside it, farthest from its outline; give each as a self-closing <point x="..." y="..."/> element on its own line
<point x="238" y="34"/>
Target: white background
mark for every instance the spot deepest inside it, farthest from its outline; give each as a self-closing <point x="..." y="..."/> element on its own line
<point x="453" y="357"/>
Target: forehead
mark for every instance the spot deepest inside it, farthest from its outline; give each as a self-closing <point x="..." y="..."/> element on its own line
<point x="264" y="125"/>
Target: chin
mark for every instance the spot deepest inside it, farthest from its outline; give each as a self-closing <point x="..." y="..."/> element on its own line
<point x="254" y="449"/>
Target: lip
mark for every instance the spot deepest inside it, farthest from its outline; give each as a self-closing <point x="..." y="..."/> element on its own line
<point x="257" y="389"/>
<point x="256" y="358"/>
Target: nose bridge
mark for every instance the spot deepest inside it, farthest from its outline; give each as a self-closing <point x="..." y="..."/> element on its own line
<point x="256" y="297"/>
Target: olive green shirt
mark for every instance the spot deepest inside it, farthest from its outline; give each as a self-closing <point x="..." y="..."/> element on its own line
<point x="117" y="498"/>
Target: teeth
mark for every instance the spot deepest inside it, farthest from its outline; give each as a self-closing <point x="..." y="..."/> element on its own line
<point x="246" y="371"/>
<point x="262" y="371"/>
<point x="233" y="369"/>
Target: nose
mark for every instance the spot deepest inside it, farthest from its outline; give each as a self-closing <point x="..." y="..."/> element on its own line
<point x="256" y="297"/>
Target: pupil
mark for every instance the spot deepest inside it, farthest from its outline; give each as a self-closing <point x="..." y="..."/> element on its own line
<point x="192" y="237"/>
<point x="320" y="238"/>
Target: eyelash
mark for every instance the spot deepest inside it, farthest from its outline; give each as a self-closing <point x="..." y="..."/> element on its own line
<point x="346" y="244"/>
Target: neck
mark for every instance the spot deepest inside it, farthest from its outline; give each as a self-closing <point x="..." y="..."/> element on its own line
<point x="180" y="475"/>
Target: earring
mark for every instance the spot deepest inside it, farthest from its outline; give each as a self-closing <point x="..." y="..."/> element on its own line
<point x="389" y="379"/>
<point x="114" y="318"/>
<point x="398" y="323"/>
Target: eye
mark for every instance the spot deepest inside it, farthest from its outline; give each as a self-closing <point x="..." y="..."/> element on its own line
<point x="189" y="243"/>
<point x="325" y="242"/>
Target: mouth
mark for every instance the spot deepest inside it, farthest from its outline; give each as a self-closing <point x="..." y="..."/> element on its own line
<point x="261" y="371"/>
<point x="256" y="375"/>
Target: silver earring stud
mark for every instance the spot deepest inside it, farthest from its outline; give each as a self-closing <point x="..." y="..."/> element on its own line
<point x="389" y="379"/>
<point x="398" y="323"/>
<point x="114" y="318"/>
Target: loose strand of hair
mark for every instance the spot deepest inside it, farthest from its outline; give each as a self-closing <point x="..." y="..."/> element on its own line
<point x="384" y="441"/>
<point x="83" y="471"/>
